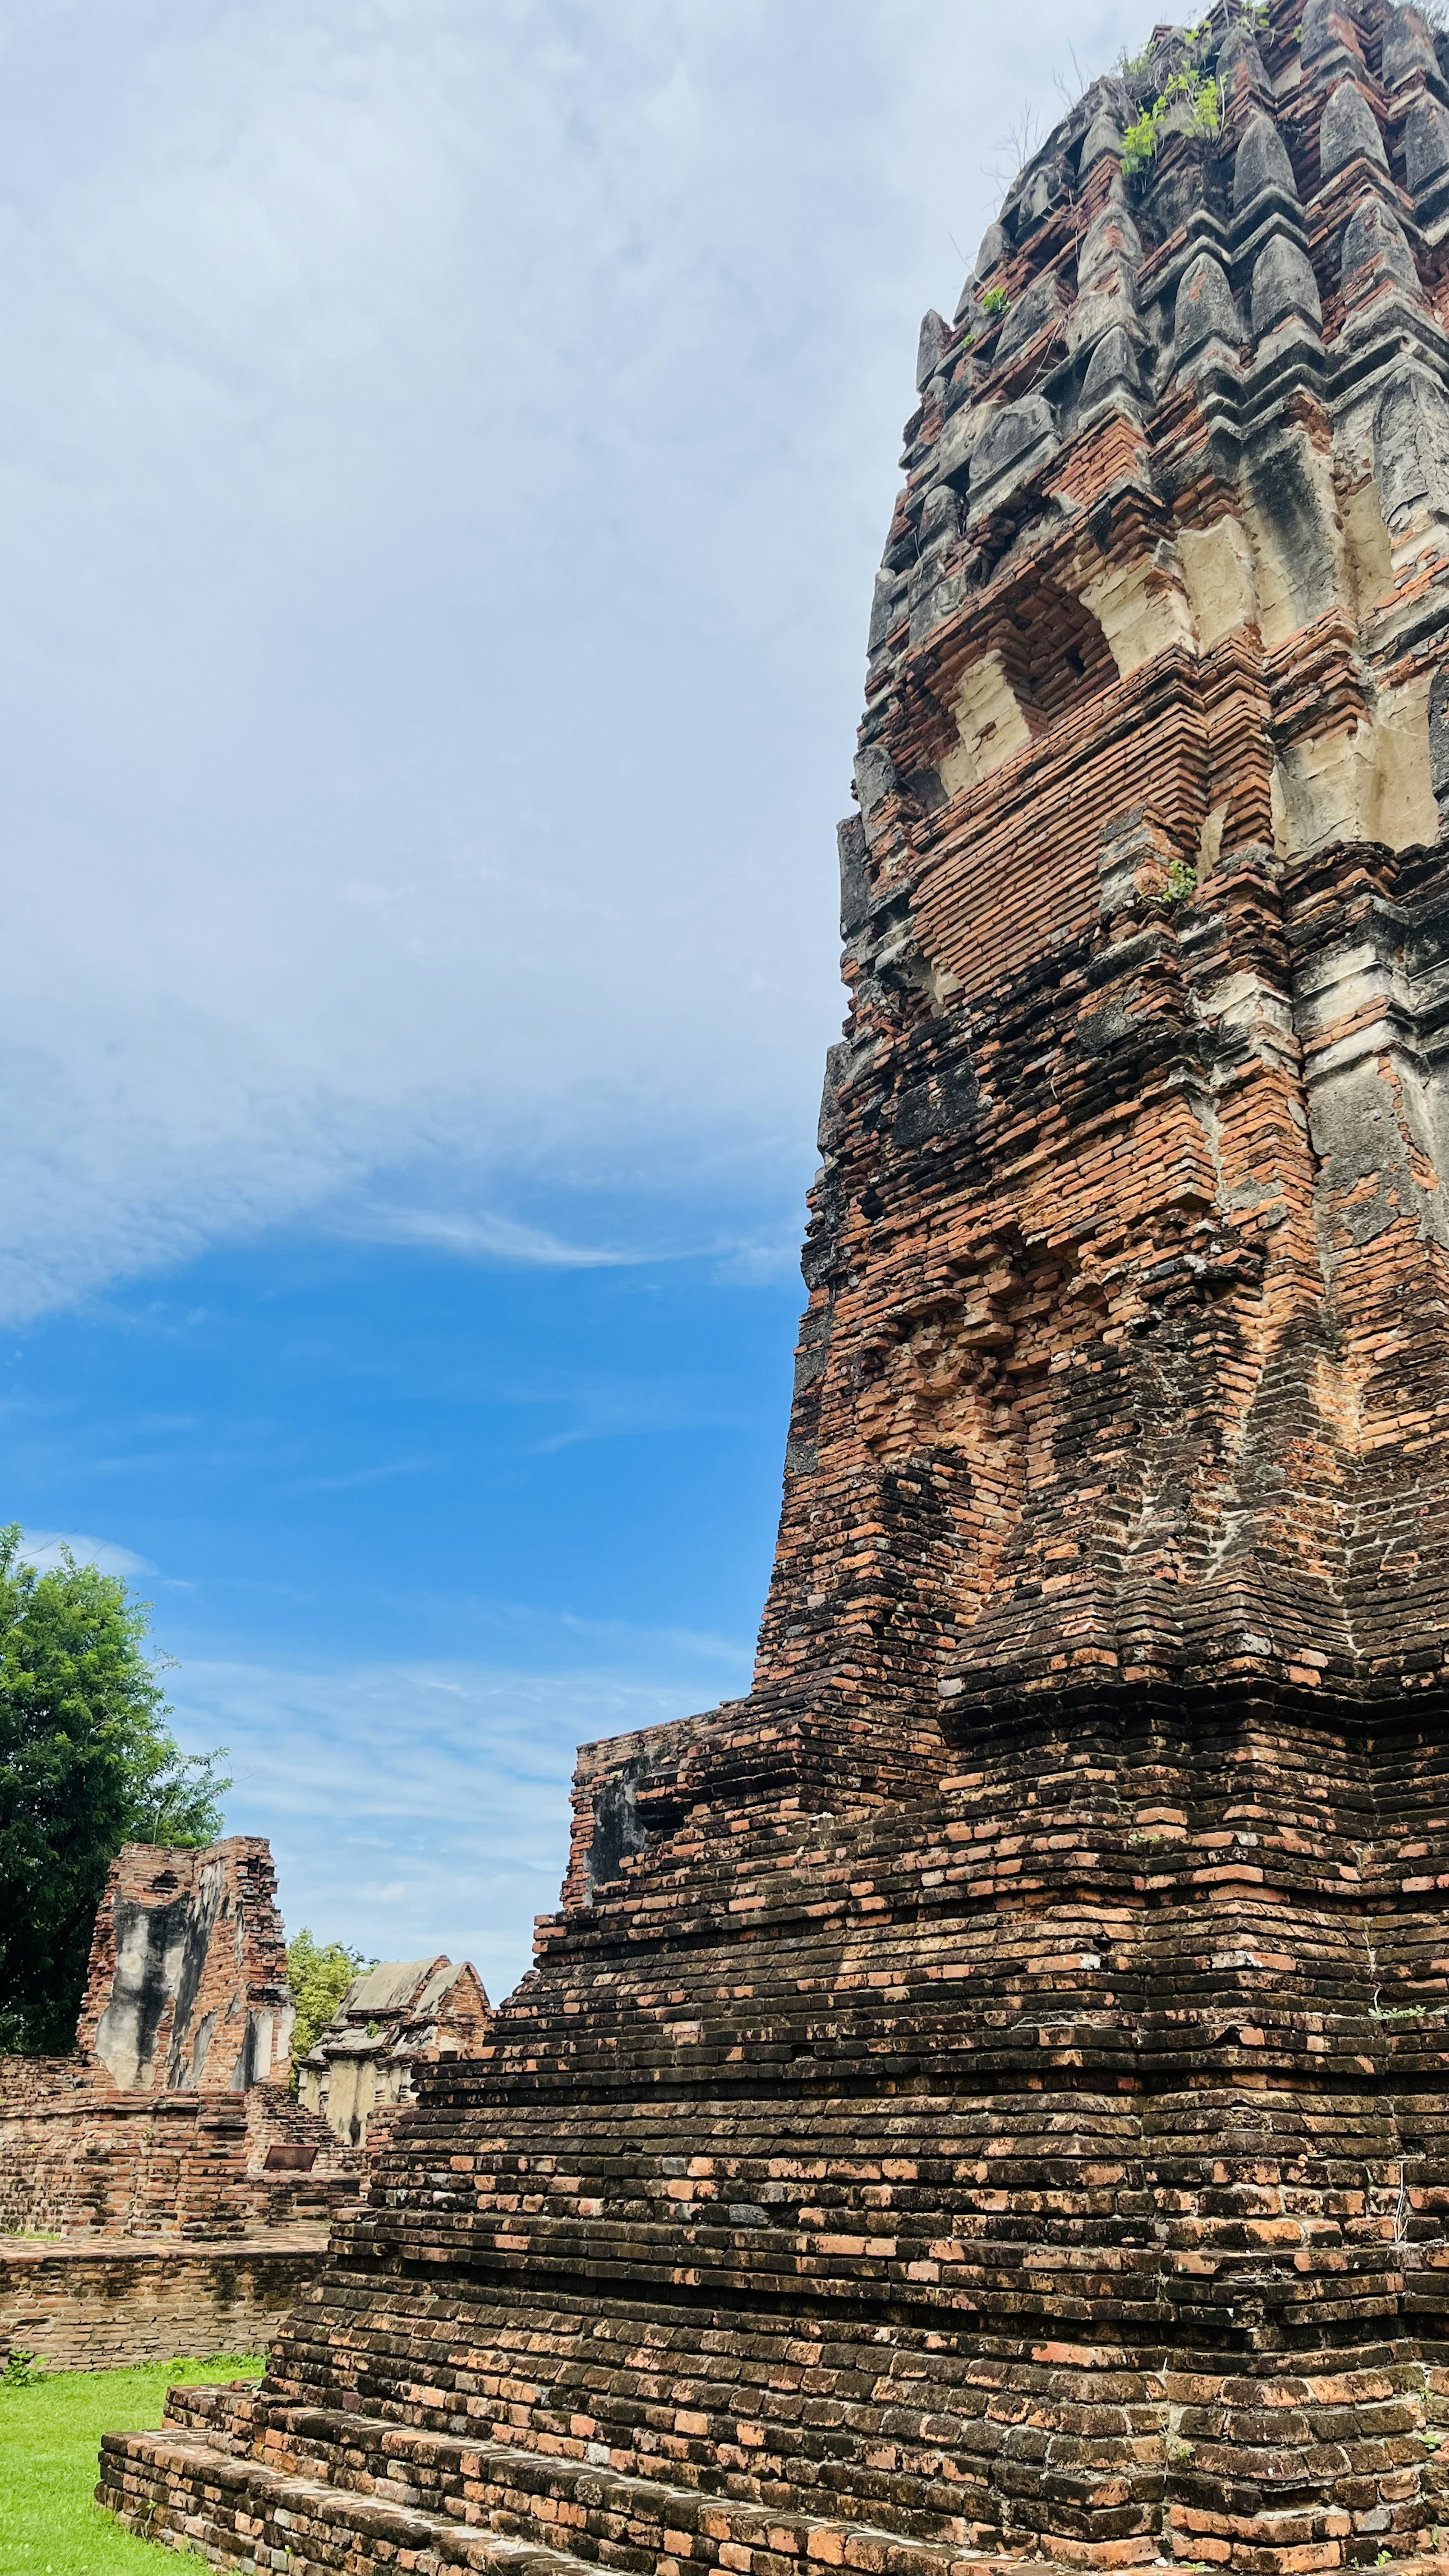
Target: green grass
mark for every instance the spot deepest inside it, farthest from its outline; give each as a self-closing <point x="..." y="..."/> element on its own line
<point x="50" y="2435"/>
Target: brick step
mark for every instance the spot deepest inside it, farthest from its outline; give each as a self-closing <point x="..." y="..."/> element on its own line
<point x="610" y="2517"/>
<point x="179" y="2489"/>
<point x="184" y="2491"/>
<point x="182" y="2488"/>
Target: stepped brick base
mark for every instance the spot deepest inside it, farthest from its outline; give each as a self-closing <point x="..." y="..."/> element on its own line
<point x="913" y="2148"/>
<point x="954" y="2183"/>
<point x="341" y="2490"/>
<point x="101" y="2304"/>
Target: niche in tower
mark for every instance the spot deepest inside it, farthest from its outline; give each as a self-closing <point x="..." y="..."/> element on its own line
<point x="1053" y="652"/>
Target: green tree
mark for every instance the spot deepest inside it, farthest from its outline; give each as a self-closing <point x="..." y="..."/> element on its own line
<point x="87" y="1763"/>
<point x="319" y="1974"/>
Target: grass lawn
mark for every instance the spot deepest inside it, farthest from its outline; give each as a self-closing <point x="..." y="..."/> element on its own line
<point x="49" y="2437"/>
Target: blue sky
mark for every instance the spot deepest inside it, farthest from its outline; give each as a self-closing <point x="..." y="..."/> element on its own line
<point x="444" y="454"/>
<point x="413" y="1527"/>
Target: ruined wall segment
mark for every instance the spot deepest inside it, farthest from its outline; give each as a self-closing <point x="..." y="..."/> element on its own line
<point x="169" y="2129"/>
<point x="172" y="2116"/>
<point x="397" y="2016"/>
<point x="187" y="1985"/>
<point x="981" y="2100"/>
<point x="82" y="2306"/>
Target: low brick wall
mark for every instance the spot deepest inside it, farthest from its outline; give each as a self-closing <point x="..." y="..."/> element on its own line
<point x="98" y="2304"/>
<point x="78" y="2158"/>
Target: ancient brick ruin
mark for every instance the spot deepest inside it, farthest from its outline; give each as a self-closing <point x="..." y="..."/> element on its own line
<point x="983" y="2096"/>
<point x="187" y="1987"/>
<point x="160" y="2191"/>
<point x="396" y="2017"/>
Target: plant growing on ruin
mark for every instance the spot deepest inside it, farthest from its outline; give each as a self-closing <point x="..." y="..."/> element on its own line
<point x="1189" y="103"/>
<point x="87" y="1763"/>
<point x="1204" y="114"/>
<point x="994" y="301"/>
<point x="1139" y="142"/>
<point x="1189" y="100"/>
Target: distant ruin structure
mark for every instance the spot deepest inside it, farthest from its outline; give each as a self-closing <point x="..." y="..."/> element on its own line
<point x="983" y="2097"/>
<point x="160" y="2190"/>
<point x="188" y="1972"/>
<point x="394" y="2018"/>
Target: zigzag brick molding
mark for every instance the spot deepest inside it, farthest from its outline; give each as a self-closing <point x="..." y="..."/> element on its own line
<point x="983" y="2099"/>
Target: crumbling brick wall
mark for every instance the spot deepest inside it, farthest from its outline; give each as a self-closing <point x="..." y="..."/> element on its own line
<point x="187" y="1984"/>
<point x="84" y="2307"/>
<point x="164" y="2121"/>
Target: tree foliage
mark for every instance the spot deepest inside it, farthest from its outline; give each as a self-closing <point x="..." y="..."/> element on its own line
<point x="87" y="1763"/>
<point x="319" y="1974"/>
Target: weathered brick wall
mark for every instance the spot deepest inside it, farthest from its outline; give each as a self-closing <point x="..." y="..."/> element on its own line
<point x="112" y="2307"/>
<point x="162" y="2121"/>
<point x="82" y="2160"/>
<point x="187" y="1985"/>
<point x="982" y="2096"/>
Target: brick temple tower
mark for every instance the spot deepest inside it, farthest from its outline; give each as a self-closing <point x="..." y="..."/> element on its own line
<point x="983" y="2097"/>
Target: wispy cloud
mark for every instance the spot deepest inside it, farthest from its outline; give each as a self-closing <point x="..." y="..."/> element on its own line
<point x="418" y="1807"/>
<point x="693" y="1645"/>
<point x="762" y="1263"/>
<point x="446" y="453"/>
<point x="602" y="1407"/>
<point x="48" y="1548"/>
<point x="478" y="1238"/>
<point x="359" y="1476"/>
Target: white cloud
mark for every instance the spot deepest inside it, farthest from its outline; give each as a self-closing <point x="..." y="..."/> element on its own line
<point x="46" y="1548"/>
<point x="414" y="1808"/>
<point x="357" y="1477"/>
<point x="488" y="1237"/>
<point x="443" y="454"/>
